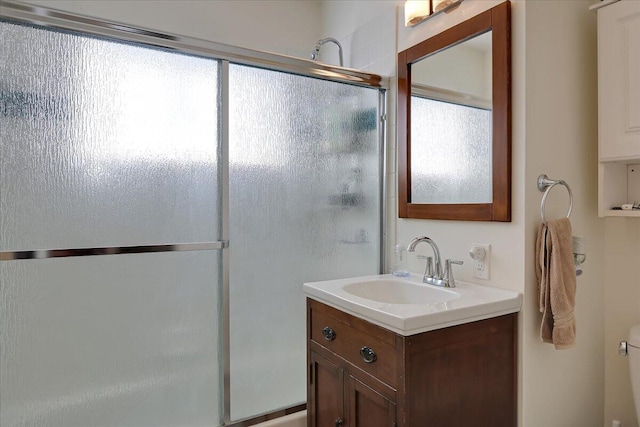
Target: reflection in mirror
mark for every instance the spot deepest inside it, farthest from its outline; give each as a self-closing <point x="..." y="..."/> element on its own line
<point x="451" y="119"/>
<point x="447" y="132"/>
<point x="454" y="122"/>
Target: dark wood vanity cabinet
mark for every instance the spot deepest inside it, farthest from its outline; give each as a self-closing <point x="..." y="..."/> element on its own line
<point x="339" y="398"/>
<point x="362" y="375"/>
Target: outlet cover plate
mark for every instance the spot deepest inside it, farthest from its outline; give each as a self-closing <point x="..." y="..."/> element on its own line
<point x="481" y="268"/>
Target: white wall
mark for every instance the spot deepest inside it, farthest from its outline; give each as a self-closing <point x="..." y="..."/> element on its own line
<point x="554" y="116"/>
<point x="287" y="27"/>
<point x="563" y="388"/>
<point x="366" y="30"/>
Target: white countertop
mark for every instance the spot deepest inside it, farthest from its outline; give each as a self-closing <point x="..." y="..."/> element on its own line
<point x="467" y="302"/>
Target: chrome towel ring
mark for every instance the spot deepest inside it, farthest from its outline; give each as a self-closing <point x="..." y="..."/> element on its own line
<point x="545" y="184"/>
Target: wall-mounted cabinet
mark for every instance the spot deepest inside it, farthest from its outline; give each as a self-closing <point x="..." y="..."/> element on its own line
<point x="618" y="107"/>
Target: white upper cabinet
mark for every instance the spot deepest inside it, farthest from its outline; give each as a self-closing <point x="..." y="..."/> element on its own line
<point x="618" y="106"/>
<point x="619" y="81"/>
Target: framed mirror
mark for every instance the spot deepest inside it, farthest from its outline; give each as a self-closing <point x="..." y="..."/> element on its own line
<point x="454" y="122"/>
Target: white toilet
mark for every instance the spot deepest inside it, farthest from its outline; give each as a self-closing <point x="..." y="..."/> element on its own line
<point x="634" y="361"/>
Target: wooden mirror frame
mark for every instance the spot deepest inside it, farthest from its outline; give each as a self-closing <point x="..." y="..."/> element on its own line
<point x="497" y="20"/>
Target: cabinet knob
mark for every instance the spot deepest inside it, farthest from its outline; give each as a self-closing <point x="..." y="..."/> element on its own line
<point x="339" y="422"/>
<point x="329" y="334"/>
<point x="368" y="355"/>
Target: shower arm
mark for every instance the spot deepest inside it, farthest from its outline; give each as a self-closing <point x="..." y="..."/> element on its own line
<point x="314" y="54"/>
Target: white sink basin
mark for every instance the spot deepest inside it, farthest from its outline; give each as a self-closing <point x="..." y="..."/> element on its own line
<point x="399" y="292"/>
<point x="408" y="306"/>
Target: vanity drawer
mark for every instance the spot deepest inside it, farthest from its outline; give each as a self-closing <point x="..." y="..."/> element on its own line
<point x="367" y="346"/>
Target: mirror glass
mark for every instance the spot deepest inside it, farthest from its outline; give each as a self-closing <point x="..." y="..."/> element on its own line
<point x="451" y="124"/>
<point x="454" y="122"/>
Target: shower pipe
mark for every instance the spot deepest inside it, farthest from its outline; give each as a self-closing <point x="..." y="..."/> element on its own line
<point x="55" y="19"/>
<point x="316" y="50"/>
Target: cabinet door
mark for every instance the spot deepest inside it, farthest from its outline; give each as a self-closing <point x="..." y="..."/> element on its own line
<point x="326" y="393"/>
<point x="368" y="408"/>
<point x="619" y="80"/>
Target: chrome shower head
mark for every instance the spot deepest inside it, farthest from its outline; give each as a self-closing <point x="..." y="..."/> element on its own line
<point x="315" y="53"/>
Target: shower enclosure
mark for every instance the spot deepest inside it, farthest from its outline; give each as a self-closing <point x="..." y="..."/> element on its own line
<point x="162" y="200"/>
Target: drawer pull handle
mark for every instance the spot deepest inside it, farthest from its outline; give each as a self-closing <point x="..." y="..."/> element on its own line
<point x="368" y="355"/>
<point x="329" y="334"/>
<point x="339" y="422"/>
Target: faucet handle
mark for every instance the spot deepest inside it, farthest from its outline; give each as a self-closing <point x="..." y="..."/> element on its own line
<point x="448" y="279"/>
<point x="428" y="269"/>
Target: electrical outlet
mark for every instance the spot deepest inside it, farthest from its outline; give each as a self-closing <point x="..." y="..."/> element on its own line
<point x="481" y="254"/>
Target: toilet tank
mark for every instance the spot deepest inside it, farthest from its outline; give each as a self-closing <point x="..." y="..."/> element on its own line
<point x="634" y="361"/>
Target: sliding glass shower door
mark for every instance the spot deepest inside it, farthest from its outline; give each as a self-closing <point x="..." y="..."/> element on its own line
<point x="109" y="150"/>
<point x="304" y="205"/>
<point x="125" y="171"/>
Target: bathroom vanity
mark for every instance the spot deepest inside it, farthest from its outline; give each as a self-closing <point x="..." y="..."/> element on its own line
<point x="456" y="373"/>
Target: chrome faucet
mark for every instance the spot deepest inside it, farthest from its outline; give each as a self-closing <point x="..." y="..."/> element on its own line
<point x="433" y="274"/>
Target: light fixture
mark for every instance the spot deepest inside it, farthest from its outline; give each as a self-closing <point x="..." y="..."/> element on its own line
<point x="416" y="11"/>
<point x="439" y="5"/>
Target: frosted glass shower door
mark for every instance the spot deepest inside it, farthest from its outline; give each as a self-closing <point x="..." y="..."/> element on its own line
<point x="107" y="148"/>
<point x="304" y="206"/>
